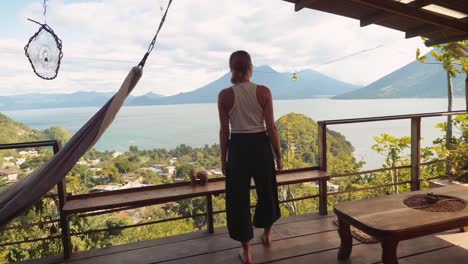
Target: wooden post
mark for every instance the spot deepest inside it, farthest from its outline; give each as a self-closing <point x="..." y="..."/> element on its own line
<point x="209" y="213"/>
<point x="322" y="145"/>
<point x="64" y="221"/>
<point x="323" y="197"/>
<point x="415" y="153"/>
<point x="322" y="148"/>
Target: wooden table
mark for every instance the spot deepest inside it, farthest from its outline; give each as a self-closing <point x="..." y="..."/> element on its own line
<point x="390" y="221"/>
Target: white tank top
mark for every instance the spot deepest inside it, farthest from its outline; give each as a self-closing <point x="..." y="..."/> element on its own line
<point x="246" y="115"/>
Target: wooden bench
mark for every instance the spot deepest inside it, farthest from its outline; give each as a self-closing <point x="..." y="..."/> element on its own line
<point x="152" y="195"/>
<point x="390" y="221"/>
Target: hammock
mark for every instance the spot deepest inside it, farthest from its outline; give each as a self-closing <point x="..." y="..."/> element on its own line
<point x="21" y="195"/>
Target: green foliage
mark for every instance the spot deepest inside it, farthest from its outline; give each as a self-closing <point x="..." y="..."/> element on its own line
<point x="124" y="165"/>
<point x="452" y="56"/>
<point x="35" y="162"/>
<point x="299" y="139"/>
<point x="458" y="153"/>
<point x="14" y="132"/>
<point x="3" y="181"/>
<point x="58" y="133"/>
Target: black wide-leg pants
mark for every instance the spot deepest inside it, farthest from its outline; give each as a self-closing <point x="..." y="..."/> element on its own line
<point x="250" y="155"/>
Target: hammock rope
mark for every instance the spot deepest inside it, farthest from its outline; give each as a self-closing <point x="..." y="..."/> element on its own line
<point x="21" y="195"/>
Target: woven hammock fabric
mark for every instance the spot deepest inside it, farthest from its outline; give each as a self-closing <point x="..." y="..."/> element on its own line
<point x="19" y="196"/>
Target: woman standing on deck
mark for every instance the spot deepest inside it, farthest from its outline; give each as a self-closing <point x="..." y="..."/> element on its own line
<point x="246" y="152"/>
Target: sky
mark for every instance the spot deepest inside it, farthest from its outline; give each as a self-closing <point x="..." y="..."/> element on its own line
<point x="103" y="39"/>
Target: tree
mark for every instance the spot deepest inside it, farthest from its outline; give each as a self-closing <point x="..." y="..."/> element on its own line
<point x="452" y="57"/>
<point x="393" y="150"/>
<point x="124" y="165"/>
<point x="3" y="181"/>
<point x="58" y="133"/>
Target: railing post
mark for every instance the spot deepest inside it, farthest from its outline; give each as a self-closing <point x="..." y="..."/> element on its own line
<point x="322" y="145"/>
<point x="209" y="213"/>
<point x="64" y="221"/>
<point x="323" y="199"/>
<point x="415" y="153"/>
<point x="322" y="149"/>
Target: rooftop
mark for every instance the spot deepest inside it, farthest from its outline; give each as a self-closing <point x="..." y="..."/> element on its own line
<point x="440" y="21"/>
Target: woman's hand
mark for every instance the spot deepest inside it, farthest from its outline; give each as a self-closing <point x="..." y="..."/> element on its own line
<point x="279" y="164"/>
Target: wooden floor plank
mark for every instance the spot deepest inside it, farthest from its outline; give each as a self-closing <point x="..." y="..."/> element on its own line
<point x="284" y="248"/>
<point x="278" y="232"/>
<point x="204" y="245"/>
<point x="296" y="240"/>
<point x="371" y="253"/>
<point x="198" y="243"/>
<point x="453" y="254"/>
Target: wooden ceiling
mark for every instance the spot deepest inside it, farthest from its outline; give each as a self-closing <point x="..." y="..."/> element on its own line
<point x="440" y="21"/>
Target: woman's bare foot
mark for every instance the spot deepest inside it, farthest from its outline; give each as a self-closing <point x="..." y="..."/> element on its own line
<point x="266" y="237"/>
<point x="245" y="254"/>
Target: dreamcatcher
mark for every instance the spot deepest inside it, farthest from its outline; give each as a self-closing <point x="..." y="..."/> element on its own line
<point x="44" y="50"/>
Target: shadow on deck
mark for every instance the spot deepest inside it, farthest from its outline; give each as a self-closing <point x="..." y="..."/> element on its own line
<point x="299" y="239"/>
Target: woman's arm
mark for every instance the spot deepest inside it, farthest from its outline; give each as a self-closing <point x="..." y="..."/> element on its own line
<point x="271" y="126"/>
<point x="224" y="128"/>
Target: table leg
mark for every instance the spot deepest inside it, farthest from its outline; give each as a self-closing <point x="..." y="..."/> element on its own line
<point x="344" y="230"/>
<point x="389" y="251"/>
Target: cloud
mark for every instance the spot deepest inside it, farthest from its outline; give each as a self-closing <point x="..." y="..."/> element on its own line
<point x="104" y="39"/>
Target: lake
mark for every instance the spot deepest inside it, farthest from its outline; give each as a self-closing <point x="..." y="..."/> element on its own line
<point x="166" y="126"/>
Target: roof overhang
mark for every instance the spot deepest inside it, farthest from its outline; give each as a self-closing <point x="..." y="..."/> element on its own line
<point x="440" y="21"/>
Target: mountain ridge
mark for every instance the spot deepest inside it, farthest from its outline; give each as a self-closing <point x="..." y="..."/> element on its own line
<point x="414" y="80"/>
<point x="310" y="84"/>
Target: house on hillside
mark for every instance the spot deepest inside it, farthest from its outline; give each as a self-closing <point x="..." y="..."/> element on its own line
<point x="129" y="176"/>
<point x="170" y="170"/>
<point x="102" y="177"/>
<point x="20" y="161"/>
<point x="10" y="174"/>
<point x="30" y="153"/>
<point x="94" y="162"/>
<point x="116" y="154"/>
<point x="104" y="188"/>
<point x="158" y="168"/>
<point x="95" y="170"/>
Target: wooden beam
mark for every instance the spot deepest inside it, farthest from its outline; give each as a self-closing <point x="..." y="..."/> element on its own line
<point x="382" y="15"/>
<point x="431" y="42"/>
<point x="415" y="13"/>
<point x="374" y="18"/>
<point x="422" y="3"/>
<point x="300" y="4"/>
<point x="421" y="31"/>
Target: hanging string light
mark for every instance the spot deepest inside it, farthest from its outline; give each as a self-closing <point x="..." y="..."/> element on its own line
<point x="44" y="50"/>
<point x="294" y="77"/>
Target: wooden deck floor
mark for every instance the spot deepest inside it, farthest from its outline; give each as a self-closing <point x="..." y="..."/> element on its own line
<point x="296" y="240"/>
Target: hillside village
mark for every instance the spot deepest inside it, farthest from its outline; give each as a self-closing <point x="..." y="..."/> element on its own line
<point x="16" y="166"/>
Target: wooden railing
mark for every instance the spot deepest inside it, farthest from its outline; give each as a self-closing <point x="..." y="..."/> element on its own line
<point x="322" y="196"/>
<point x="56" y="146"/>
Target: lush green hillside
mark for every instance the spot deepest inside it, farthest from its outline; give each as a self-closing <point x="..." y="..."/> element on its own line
<point x="299" y="138"/>
<point x="13" y="132"/>
<point x="415" y="80"/>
